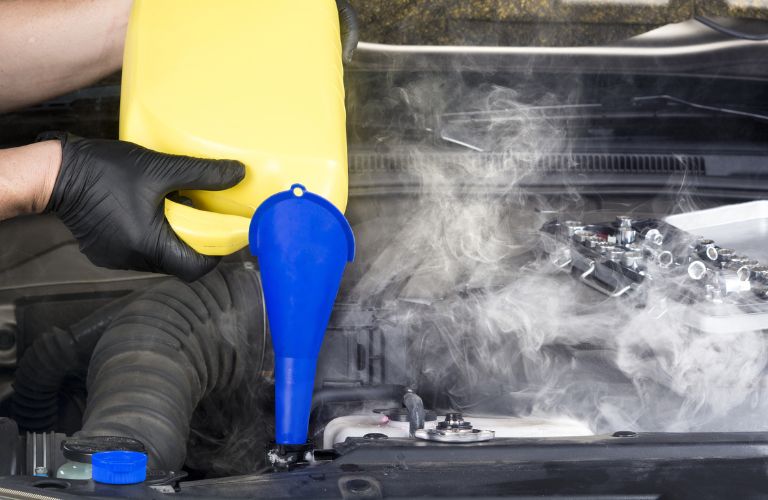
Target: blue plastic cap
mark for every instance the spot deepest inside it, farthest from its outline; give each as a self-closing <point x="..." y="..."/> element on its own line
<point x="119" y="467"/>
<point x="303" y="243"/>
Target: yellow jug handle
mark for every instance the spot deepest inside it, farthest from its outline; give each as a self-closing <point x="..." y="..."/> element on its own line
<point x="209" y="233"/>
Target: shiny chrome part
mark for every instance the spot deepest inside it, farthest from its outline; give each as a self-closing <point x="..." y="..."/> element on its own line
<point x="740" y="264"/>
<point x="626" y="233"/>
<point x="606" y="247"/>
<point x="731" y="282"/>
<point x="593" y="242"/>
<point x="571" y="226"/>
<point x="632" y="259"/>
<point x="585" y="278"/>
<point x="454" y="429"/>
<point x="582" y="236"/>
<point x="759" y="273"/>
<point x="743" y="273"/>
<point x="706" y="248"/>
<point x="562" y="257"/>
<point x="725" y="254"/>
<point x="713" y="294"/>
<point x="703" y="243"/>
<point x="697" y="270"/>
<point x="654" y="237"/>
<point x="621" y="254"/>
<point x="614" y="254"/>
<point x="665" y="259"/>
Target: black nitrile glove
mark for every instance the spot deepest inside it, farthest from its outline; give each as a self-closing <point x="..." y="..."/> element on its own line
<point x="350" y="31"/>
<point x="110" y="194"/>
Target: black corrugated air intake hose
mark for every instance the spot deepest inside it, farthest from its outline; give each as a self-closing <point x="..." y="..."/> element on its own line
<point x="172" y="351"/>
<point x="49" y="361"/>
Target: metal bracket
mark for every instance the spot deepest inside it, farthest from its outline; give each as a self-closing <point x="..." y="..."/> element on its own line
<point x="595" y="285"/>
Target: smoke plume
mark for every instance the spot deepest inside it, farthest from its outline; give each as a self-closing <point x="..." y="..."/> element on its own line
<point x="493" y="327"/>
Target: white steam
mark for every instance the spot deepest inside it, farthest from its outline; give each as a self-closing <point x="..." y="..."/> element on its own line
<point x="494" y="327"/>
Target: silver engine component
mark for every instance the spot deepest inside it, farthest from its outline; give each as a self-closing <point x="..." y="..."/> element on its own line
<point x="454" y="429"/>
<point x="616" y="258"/>
<point x="375" y="425"/>
<point x="626" y="233"/>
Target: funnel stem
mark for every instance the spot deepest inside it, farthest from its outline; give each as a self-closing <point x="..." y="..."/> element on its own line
<point x="294" y="382"/>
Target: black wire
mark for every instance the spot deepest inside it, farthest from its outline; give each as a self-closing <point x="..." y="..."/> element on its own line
<point x="710" y="23"/>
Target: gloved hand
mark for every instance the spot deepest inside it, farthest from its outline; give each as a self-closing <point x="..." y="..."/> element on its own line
<point x="350" y="30"/>
<point x="110" y="194"/>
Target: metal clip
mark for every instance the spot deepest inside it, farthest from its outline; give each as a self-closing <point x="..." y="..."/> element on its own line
<point x="596" y="286"/>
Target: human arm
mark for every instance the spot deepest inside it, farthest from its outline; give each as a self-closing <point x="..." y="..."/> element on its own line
<point x="111" y="195"/>
<point x="51" y="47"/>
<point x="27" y="175"/>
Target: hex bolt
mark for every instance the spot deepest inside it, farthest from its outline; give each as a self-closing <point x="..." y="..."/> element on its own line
<point x="697" y="270"/>
<point x="706" y="248"/>
<point x="665" y="259"/>
<point x="654" y="236"/>
<point x="743" y="273"/>
<point x="725" y="254"/>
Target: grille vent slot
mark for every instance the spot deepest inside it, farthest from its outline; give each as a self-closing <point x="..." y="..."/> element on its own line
<point x="640" y="164"/>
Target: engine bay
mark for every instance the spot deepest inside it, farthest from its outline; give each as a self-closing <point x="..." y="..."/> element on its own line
<point x="546" y="267"/>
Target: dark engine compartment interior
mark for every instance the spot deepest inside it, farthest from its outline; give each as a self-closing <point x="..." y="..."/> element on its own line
<point x="455" y="164"/>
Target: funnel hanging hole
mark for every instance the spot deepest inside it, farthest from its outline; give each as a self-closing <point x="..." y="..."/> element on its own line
<point x="298" y="190"/>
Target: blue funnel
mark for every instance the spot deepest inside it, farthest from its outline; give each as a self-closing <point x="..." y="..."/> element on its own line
<point x="303" y="243"/>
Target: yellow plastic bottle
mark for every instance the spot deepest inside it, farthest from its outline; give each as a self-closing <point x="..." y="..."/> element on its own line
<point x="260" y="81"/>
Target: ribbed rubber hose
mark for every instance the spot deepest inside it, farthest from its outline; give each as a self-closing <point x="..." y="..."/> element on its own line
<point x="49" y="361"/>
<point x="173" y="346"/>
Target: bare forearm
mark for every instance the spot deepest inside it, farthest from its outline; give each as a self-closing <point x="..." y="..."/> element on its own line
<point x="50" y="47"/>
<point x="27" y="176"/>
